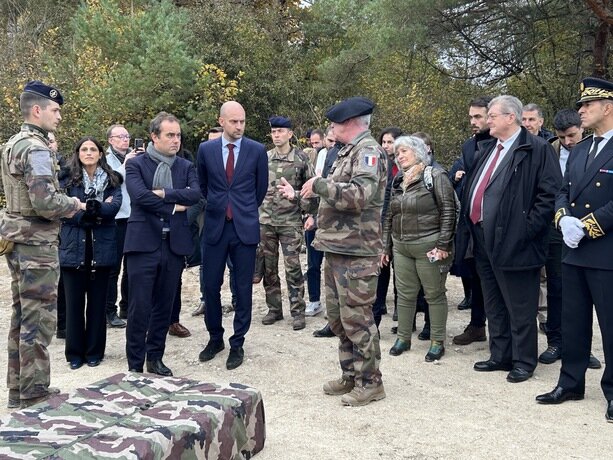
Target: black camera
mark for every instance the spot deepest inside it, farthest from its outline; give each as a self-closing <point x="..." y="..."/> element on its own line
<point x="139" y="143"/>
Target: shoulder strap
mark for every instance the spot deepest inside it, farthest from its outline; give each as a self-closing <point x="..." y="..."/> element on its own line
<point x="428" y="181"/>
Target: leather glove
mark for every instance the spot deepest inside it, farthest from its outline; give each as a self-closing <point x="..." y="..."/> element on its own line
<point x="572" y="231"/>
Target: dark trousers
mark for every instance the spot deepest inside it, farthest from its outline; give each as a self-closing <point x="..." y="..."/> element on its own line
<point x="61" y="305"/>
<point x="156" y="275"/>
<point x="214" y="258"/>
<point x="176" y="305"/>
<point x="382" y="286"/>
<point x="111" y="296"/>
<point x="553" y="268"/>
<point x="477" y="309"/>
<point x="314" y="261"/>
<point x="584" y="287"/>
<point x="232" y="282"/>
<point x="85" y="312"/>
<point x="511" y="300"/>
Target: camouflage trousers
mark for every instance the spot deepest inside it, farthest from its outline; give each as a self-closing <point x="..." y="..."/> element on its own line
<point x="34" y="279"/>
<point x="290" y="239"/>
<point x="351" y="286"/>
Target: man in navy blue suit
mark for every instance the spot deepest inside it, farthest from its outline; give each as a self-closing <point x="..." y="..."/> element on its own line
<point x="233" y="173"/>
<point x="161" y="186"/>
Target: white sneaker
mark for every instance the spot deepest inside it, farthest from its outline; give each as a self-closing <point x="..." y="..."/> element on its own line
<point x="313" y="308"/>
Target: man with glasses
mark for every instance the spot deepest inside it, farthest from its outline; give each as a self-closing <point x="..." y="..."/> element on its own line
<point x="510" y="197"/>
<point x="161" y="186"/>
<point x="118" y="153"/>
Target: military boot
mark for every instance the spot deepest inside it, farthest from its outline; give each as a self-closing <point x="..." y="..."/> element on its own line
<point x="31" y="401"/>
<point x="360" y="395"/>
<point x="339" y="387"/>
<point x="299" y="323"/>
<point x="272" y="317"/>
<point x="14" y="401"/>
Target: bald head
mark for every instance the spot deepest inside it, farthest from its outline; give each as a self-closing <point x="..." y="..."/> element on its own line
<point x="232" y="120"/>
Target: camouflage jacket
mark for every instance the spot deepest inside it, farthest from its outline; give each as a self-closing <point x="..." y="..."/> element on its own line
<point x="297" y="169"/>
<point x="351" y="199"/>
<point x="34" y="200"/>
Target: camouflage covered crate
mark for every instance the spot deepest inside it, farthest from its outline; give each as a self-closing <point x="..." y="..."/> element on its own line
<point x="139" y="416"/>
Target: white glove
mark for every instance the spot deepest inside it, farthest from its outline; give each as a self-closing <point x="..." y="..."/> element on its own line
<point x="572" y="230"/>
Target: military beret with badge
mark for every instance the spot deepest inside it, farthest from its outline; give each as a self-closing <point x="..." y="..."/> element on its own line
<point x="593" y="89"/>
<point x="48" y="92"/>
<point x="350" y="108"/>
<point x="280" y="122"/>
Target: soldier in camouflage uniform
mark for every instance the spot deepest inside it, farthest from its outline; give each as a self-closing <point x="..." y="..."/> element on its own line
<point x="281" y="223"/>
<point x="349" y="232"/>
<point x="31" y="222"/>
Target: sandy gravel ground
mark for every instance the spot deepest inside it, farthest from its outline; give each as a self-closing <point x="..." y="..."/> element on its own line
<point x="432" y="411"/>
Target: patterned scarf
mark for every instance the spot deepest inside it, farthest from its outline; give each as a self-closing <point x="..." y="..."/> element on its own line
<point x="412" y="174"/>
<point x="98" y="183"/>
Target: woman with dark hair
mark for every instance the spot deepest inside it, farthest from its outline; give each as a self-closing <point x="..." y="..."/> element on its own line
<point x="88" y="251"/>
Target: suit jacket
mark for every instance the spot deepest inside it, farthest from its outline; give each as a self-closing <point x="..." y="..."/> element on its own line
<point x="518" y="203"/>
<point x="245" y="194"/>
<point x="149" y="212"/>
<point x="588" y="195"/>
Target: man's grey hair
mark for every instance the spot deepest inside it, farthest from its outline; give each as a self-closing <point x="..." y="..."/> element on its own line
<point x="508" y="104"/>
<point x="364" y="120"/>
<point x="416" y="145"/>
<point x="532" y="107"/>
<point x="109" y="132"/>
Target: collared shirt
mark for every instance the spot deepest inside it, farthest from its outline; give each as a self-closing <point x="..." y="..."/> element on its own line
<point x="225" y="152"/>
<point x="564" y="152"/>
<point x="607" y="137"/>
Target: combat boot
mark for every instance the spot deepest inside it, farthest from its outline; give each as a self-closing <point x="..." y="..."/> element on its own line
<point x="471" y="334"/>
<point x="14" y="402"/>
<point x="298" y="323"/>
<point x="271" y="318"/>
<point x="31" y="401"/>
<point x="360" y="395"/>
<point x="339" y="387"/>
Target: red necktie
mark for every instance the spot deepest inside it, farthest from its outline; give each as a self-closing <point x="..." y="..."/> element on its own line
<point x="475" y="213"/>
<point x="229" y="175"/>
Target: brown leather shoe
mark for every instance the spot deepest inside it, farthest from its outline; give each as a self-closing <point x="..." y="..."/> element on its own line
<point x="471" y="334"/>
<point x="178" y="330"/>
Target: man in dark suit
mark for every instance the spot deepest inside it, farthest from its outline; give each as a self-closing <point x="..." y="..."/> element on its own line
<point x="585" y="217"/>
<point x="233" y="172"/>
<point x="510" y="194"/>
<point x="161" y="186"/>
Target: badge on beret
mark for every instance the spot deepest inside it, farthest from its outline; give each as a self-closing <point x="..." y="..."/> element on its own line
<point x="370" y="160"/>
<point x="53" y="93"/>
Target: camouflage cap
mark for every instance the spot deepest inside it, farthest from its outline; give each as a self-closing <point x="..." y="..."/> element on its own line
<point x="280" y="122"/>
<point x="593" y="89"/>
<point x="350" y="108"/>
<point x="46" y="91"/>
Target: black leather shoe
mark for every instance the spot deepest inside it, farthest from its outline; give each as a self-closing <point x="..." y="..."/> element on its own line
<point x="211" y="349"/>
<point x="518" y="375"/>
<point x="558" y="395"/>
<point x="394" y="329"/>
<point x="424" y="334"/>
<point x="93" y="362"/>
<point x="551" y="355"/>
<point x="465" y="304"/>
<point x="76" y="364"/>
<point x="609" y="413"/>
<point x="490" y="365"/>
<point x="235" y="358"/>
<point x="324" y="332"/>
<point x="134" y="369"/>
<point x="594" y="362"/>
<point x="158" y="367"/>
<point x="112" y="320"/>
<point x="399" y="347"/>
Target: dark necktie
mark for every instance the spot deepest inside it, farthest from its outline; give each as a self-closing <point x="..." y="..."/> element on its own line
<point x="592" y="154"/>
<point x="229" y="175"/>
<point x="475" y="213"/>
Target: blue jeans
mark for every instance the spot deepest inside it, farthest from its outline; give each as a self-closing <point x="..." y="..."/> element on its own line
<point x="314" y="260"/>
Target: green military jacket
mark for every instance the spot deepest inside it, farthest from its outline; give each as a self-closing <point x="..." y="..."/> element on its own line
<point x="34" y="201"/>
<point x="351" y="199"/>
<point x="296" y="168"/>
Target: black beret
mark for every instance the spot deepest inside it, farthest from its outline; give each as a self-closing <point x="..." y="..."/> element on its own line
<point x="593" y="89"/>
<point x="280" y="122"/>
<point x="46" y="91"/>
<point x="350" y="108"/>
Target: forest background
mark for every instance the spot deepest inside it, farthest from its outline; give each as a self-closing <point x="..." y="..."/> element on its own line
<point x="421" y="61"/>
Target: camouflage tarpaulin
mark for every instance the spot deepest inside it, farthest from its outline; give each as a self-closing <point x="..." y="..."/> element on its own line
<point x="139" y="416"/>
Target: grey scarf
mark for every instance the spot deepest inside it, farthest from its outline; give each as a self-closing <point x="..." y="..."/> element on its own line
<point x="163" y="176"/>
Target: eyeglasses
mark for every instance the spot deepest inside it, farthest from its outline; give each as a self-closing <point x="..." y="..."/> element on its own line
<point x="492" y="116"/>
<point x="123" y="137"/>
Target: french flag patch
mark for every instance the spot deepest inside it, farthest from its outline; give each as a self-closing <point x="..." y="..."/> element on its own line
<point x="370" y="160"/>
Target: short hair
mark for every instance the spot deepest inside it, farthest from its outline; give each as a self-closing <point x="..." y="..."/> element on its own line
<point x="28" y="100"/>
<point x="216" y="130"/>
<point x="109" y="131"/>
<point x="393" y="131"/>
<point x="509" y="104"/>
<point x="156" y="123"/>
<point x="328" y="129"/>
<point x="532" y="107"/>
<point x="425" y="137"/>
<point x="417" y="145"/>
<point x="364" y="120"/>
<point x="317" y="131"/>
<point x="481" y="101"/>
<point x="566" y="118"/>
